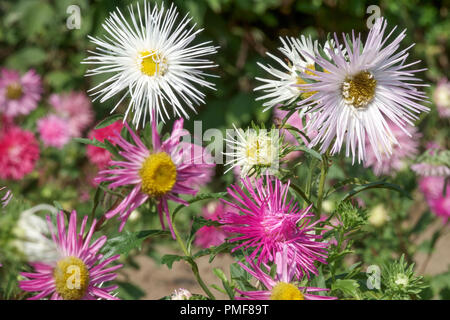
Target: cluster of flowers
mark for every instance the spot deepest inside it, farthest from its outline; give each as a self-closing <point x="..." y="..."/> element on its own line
<point x="356" y="93"/>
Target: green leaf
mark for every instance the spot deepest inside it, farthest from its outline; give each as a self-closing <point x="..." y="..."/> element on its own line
<point x="348" y="287"/>
<point x="375" y="185"/>
<point x="341" y="184"/>
<point x="129" y="291"/>
<point x="169" y="259"/>
<point x="93" y="142"/>
<point x="200" y="197"/>
<point x="108" y="121"/>
<point x="309" y="151"/>
<point x="127" y="241"/>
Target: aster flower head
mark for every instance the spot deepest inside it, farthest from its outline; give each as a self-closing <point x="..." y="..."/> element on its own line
<point x="407" y="148"/>
<point x="433" y="162"/>
<point x="208" y="236"/>
<point x="180" y="294"/>
<point x="283" y="285"/>
<point x="441" y="97"/>
<point x="19" y="95"/>
<point x="76" y="108"/>
<point x="77" y="254"/>
<point x="153" y="61"/>
<point x="437" y="195"/>
<point x="265" y="221"/>
<point x="256" y="150"/>
<point x="359" y="90"/>
<point x="100" y="156"/>
<point x="160" y="173"/>
<point x="298" y="55"/>
<point x="53" y="131"/>
<point x="19" y="152"/>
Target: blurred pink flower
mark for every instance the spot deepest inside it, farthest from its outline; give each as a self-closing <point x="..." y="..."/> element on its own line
<point x="208" y="236"/>
<point x="406" y="148"/>
<point x="53" y="131"/>
<point x="441" y="97"/>
<point x="433" y="190"/>
<point x="99" y="156"/>
<point x="19" y="152"/>
<point x="19" y="95"/>
<point x="196" y="154"/>
<point x="76" y="108"/>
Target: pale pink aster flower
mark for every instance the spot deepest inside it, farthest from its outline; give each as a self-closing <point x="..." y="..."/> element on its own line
<point x="53" y="131"/>
<point x="76" y="108"/>
<point x="76" y="254"/>
<point x="433" y="189"/>
<point x="407" y="148"/>
<point x="6" y="197"/>
<point x="100" y="156"/>
<point x="196" y="154"/>
<point x="208" y="236"/>
<point x="180" y="294"/>
<point x="266" y="221"/>
<point x="19" y="95"/>
<point x="441" y="97"/>
<point x="429" y="169"/>
<point x="359" y="91"/>
<point x="161" y="173"/>
<point x="282" y="286"/>
<point x="19" y="152"/>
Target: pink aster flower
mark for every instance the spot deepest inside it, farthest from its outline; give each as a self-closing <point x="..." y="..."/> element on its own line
<point x="266" y="221"/>
<point x="101" y="156"/>
<point x="196" y="154"/>
<point x="441" y="97"/>
<point x="53" y="131"/>
<point x="433" y="189"/>
<point x="19" y="95"/>
<point x="208" y="236"/>
<point x="19" y="152"/>
<point x="79" y="273"/>
<point x="160" y="173"/>
<point x="282" y="286"/>
<point x="76" y="108"/>
<point x="407" y="148"/>
<point x="359" y="90"/>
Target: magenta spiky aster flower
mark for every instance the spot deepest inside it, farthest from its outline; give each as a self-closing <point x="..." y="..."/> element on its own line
<point x="265" y="221"/>
<point x="161" y="173"/>
<point x="359" y="91"/>
<point x="283" y="285"/>
<point x="80" y="273"/>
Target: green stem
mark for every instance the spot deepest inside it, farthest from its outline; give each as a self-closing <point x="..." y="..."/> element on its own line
<point x="191" y="261"/>
<point x="323" y="175"/>
<point x="309" y="180"/>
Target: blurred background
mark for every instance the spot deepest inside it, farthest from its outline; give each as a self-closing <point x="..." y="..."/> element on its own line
<point x="33" y="34"/>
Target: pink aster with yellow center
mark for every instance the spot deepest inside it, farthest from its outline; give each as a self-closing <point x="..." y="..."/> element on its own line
<point x="283" y="285"/>
<point x="19" y="95"/>
<point x="80" y="271"/>
<point x="19" y="152"/>
<point x="160" y="173"/>
<point x="266" y="221"/>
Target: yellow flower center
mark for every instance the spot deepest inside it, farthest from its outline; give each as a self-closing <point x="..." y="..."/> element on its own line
<point x="153" y="64"/>
<point x="14" y="91"/>
<point x="286" y="291"/>
<point x="359" y="89"/>
<point x="305" y="92"/>
<point x="71" y="278"/>
<point x="158" y="174"/>
<point x="260" y="150"/>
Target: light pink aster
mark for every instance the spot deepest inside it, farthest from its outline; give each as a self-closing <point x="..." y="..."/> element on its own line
<point x="359" y="90"/>
<point x="196" y="154"/>
<point x="19" y="152"/>
<point x="76" y="108"/>
<point x="100" y="156"/>
<point x="161" y="173"/>
<point x="208" y="236"/>
<point x="407" y="148"/>
<point x="441" y="97"/>
<point x="282" y="286"/>
<point x="53" y="131"/>
<point x="80" y="271"/>
<point x="265" y="221"/>
<point x="19" y="95"/>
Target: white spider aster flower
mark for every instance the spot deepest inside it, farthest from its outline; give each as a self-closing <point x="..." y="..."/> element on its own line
<point x="151" y="59"/>
<point x="298" y="55"/>
<point x="361" y="89"/>
<point x="253" y="149"/>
